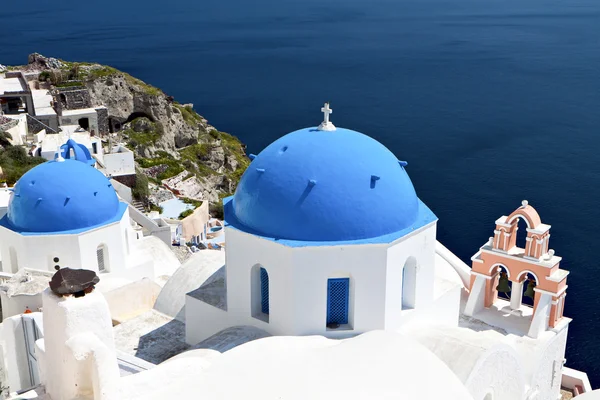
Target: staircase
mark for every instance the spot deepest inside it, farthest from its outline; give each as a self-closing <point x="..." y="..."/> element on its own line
<point x="139" y="206"/>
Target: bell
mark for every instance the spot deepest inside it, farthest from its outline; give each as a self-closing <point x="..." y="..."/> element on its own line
<point x="529" y="292"/>
<point x="503" y="286"/>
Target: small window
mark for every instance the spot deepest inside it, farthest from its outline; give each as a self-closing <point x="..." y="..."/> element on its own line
<point x="264" y="291"/>
<point x="259" y="302"/>
<point x="338" y="293"/>
<point x="95" y="148"/>
<point x="102" y="257"/>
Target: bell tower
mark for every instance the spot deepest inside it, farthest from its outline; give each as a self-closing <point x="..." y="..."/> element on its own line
<point x="500" y="260"/>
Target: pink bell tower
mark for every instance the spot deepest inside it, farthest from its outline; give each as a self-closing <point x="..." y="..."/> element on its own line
<point x="535" y="263"/>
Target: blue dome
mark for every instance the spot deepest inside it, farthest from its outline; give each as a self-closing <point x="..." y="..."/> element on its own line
<point x="331" y="186"/>
<point x="62" y="196"/>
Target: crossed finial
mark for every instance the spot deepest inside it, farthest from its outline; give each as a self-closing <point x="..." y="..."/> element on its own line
<point x="326" y="125"/>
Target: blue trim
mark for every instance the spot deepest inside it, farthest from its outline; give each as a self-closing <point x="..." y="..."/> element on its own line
<point x="424" y="217"/>
<point x="5" y="222"/>
<point x="338" y="294"/>
<point x="264" y="291"/>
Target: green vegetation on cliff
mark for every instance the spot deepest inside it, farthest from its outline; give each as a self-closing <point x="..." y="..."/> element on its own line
<point x="14" y="162"/>
<point x="167" y="137"/>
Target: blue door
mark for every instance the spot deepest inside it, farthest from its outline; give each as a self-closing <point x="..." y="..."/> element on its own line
<point x="264" y="291"/>
<point x="338" y="292"/>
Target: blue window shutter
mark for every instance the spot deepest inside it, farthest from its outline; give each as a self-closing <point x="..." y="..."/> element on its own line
<point x="338" y="293"/>
<point x="264" y="291"/>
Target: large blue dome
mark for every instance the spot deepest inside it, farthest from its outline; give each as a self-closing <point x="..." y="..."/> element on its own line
<point x="61" y="196"/>
<point x="332" y="186"/>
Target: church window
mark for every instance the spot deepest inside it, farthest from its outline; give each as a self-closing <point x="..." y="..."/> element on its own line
<point x="409" y="283"/>
<point x="260" y="293"/>
<point x="338" y="293"/>
<point x="102" y="257"/>
<point x="264" y="291"/>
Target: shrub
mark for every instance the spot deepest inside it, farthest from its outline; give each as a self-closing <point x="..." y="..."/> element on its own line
<point x="140" y="191"/>
<point x="185" y="213"/>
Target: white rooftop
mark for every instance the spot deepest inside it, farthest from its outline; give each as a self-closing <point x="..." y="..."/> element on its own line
<point x="53" y="141"/>
<point x="375" y="365"/>
<point x="68" y="113"/>
<point x="42" y="102"/>
<point x="10" y="85"/>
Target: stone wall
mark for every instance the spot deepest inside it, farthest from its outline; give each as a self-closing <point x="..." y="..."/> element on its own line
<point x="34" y="126"/>
<point x="127" y="180"/>
<point x="103" y="128"/>
<point x="73" y="98"/>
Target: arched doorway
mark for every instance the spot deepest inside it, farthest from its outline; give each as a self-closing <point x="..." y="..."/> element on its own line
<point x="409" y="283"/>
<point x="84" y="123"/>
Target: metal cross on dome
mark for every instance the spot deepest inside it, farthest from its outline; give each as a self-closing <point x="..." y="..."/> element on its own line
<point x="326" y="125"/>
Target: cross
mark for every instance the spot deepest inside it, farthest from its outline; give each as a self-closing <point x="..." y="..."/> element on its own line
<point x="326" y="111"/>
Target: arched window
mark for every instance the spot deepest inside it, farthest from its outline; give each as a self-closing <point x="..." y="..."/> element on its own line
<point x="264" y="291"/>
<point x="259" y="282"/>
<point x="338" y="295"/>
<point x="409" y="283"/>
<point x="102" y="257"/>
<point x="521" y="240"/>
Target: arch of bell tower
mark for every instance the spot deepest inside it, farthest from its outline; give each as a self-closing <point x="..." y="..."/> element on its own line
<point x="536" y="264"/>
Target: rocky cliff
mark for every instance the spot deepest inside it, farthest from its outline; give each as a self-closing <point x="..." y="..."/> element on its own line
<point x="170" y="140"/>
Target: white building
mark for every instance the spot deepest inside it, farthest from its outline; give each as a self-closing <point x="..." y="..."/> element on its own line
<point x="87" y="118"/>
<point x="326" y="236"/>
<point x="330" y="251"/>
<point x="65" y="213"/>
<point x="119" y="161"/>
<point x="47" y="145"/>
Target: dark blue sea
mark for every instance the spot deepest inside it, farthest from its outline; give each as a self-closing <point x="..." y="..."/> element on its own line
<point x="490" y="101"/>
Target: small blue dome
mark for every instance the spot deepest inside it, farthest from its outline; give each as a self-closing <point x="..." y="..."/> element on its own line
<point x="80" y="152"/>
<point x="61" y="196"/>
<point x="313" y="185"/>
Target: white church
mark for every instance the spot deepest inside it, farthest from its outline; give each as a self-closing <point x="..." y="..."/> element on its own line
<point x="332" y="260"/>
<point x="66" y="213"/>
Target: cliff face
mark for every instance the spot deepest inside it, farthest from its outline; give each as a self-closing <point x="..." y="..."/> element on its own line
<point x="169" y="139"/>
<point x="127" y="98"/>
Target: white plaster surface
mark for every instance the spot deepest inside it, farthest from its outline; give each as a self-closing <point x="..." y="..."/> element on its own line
<point x="42" y="101"/>
<point x="71" y="117"/>
<point x="151" y="336"/>
<point x="191" y="275"/>
<point x="119" y="163"/>
<point x="4" y="197"/>
<point x="67" y="318"/>
<point x="376" y="365"/>
<point x="10" y="85"/>
<point x="131" y="300"/>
